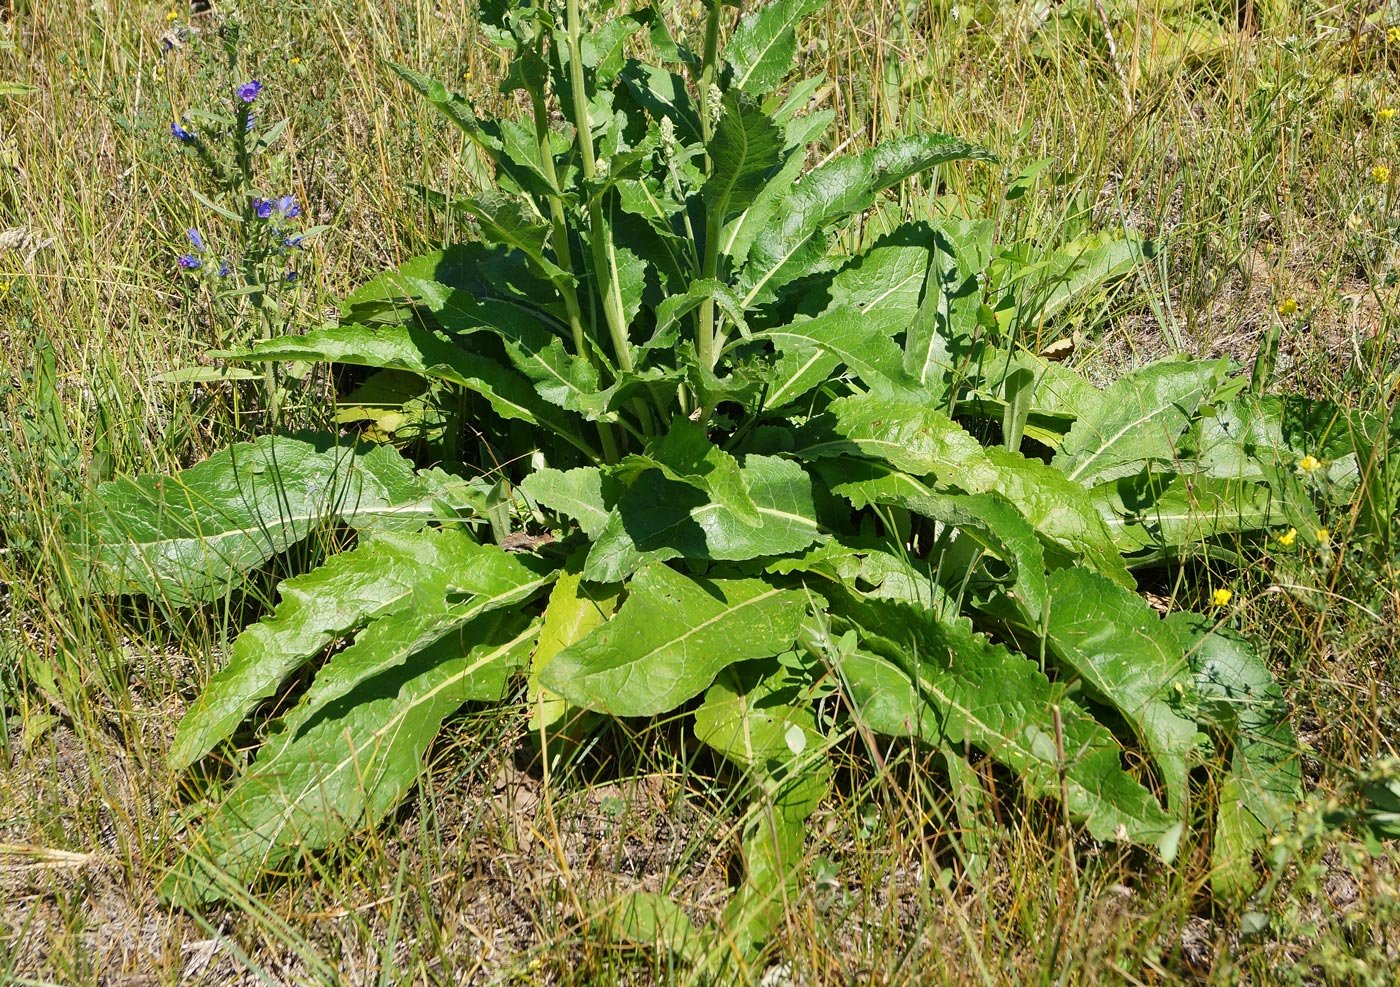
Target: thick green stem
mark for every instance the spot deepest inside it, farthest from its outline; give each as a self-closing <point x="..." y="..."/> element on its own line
<point x="559" y="229"/>
<point x="559" y="239"/>
<point x="599" y="241"/>
<point x="708" y="64"/>
<point x="705" y="335"/>
<point x="706" y="343"/>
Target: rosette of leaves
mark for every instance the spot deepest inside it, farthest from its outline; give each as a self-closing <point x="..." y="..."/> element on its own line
<point x="786" y="490"/>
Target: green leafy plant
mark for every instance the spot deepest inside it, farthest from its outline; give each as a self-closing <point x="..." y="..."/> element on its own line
<point x="701" y="461"/>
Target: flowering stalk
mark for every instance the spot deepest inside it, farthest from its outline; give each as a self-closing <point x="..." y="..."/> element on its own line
<point x="599" y="240"/>
<point x="559" y="239"/>
<point x="706" y="336"/>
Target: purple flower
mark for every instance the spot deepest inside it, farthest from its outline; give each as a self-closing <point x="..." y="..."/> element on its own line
<point x="249" y="124"/>
<point x="180" y="133"/>
<point x="249" y="91"/>
<point x="263" y="208"/>
<point x="188" y="261"/>
<point x="196" y="239"/>
<point x="293" y="241"/>
<point x="224" y="269"/>
<point x="291" y="275"/>
<point x="288" y="207"/>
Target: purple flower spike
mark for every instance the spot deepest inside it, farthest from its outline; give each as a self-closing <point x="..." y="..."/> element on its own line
<point x="249" y="125"/>
<point x="293" y="241"/>
<point x="249" y="91"/>
<point x="188" y="262"/>
<point x="196" y="239"/>
<point x="288" y="207"/>
<point x="224" y="269"/>
<point x="263" y="208"/>
<point x="180" y="133"/>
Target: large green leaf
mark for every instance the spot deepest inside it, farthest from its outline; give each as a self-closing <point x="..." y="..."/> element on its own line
<point x="881" y="287"/>
<point x="1077" y="270"/>
<point x="994" y="524"/>
<point x="575" y="609"/>
<point x="192" y="535"/>
<point x="577" y="493"/>
<point x="672" y="635"/>
<point x="739" y="234"/>
<point x="1060" y="510"/>
<point x="665" y="96"/>
<point x="884" y="284"/>
<point x="1239" y="698"/>
<point x="382" y="575"/>
<point x="948" y="315"/>
<point x="881" y="570"/>
<point x="686" y="454"/>
<point x="1129" y="658"/>
<point x="1140" y="421"/>
<point x="761" y="49"/>
<point x="942" y="682"/>
<point x="811" y="348"/>
<point x="743" y="149"/>
<point x="658" y="519"/>
<point x="345" y="764"/>
<point x="908" y="433"/>
<point x="507" y="220"/>
<point x="1153" y="517"/>
<point x="832" y="193"/>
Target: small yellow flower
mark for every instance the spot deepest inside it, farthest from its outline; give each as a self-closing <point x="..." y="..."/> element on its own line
<point x="294" y="60"/>
<point x="1380" y="173"/>
<point x="1221" y="597"/>
<point x="1393" y="35"/>
<point x="1323" y="536"/>
<point x="1386" y="113"/>
<point x="172" y="15"/>
<point x="1308" y="463"/>
<point x="1287" y="307"/>
<point x="4" y="290"/>
<point x="1288" y="538"/>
